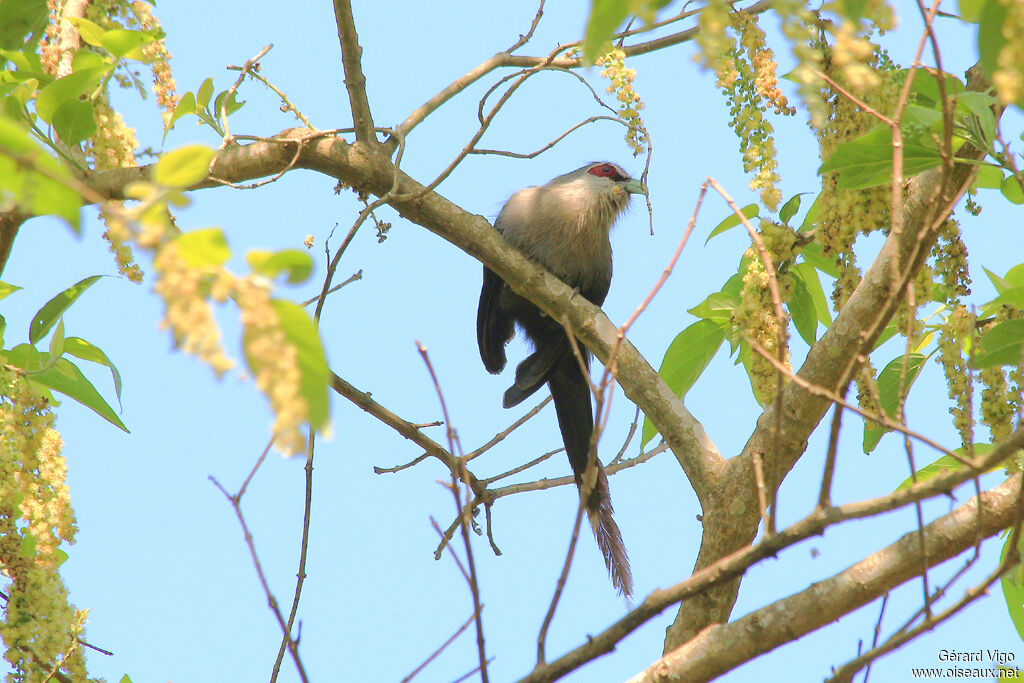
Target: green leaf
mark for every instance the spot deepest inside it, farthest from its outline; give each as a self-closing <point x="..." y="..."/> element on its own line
<point x="204" y="93"/>
<point x="1015" y="276"/>
<point x="66" y="89"/>
<point x="48" y="315"/>
<point x="1012" y="190"/>
<point x="749" y="211"/>
<point x="970" y="10"/>
<point x="20" y="19"/>
<point x="187" y="105"/>
<point x="205" y="247"/>
<point x="125" y="679"/>
<point x="27" y="548"/>
<point x="74" y="122"/>
<point x="6" y="290"/>
<point x="79" y="348"/>
<point x="605" y="17"/>
<point x="230" y="107"/>
<point x="66" y="378"/>
<point x="889" y="394"/>
<point x="809" y="275"/>
<point x="999" y="283"/>
<point x="812" y="215"/>
<point x="685" y="360"/>
<point x="814" y="255"/>
<point x="867" y="161"/>
<point x="945" y="464"/>
<point x="989" y="177"/>
<point x="1014" y="296"/>
<point x="57" y="341"/>
<point x="1000" y="345"/>
<point x="300" y="331"/>
<point x="990" y="35"/>
<point x="718" y="306"/>
<point x="90" y="32"/>
<point x="802" y="310"/>
<point x="296" y="263"/>
<point x="124" y="43"/>
<point x="926" y="88"/>
<point x="34" y="192"/>
<point x="790" y="208"/>
<point x="183" y="167"/>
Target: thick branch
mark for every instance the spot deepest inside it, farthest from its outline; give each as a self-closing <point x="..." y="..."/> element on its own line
<point x="722" y="647"/>
<point x="355" y="81"/>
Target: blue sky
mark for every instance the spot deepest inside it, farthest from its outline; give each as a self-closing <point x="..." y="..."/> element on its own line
<point x="160" y="559"/>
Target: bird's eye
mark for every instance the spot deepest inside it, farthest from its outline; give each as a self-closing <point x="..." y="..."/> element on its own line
<point x="605" y="171"/>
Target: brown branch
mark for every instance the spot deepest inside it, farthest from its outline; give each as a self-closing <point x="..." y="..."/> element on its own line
<point x="355" y="80"/>
<point x="722" y="647"/>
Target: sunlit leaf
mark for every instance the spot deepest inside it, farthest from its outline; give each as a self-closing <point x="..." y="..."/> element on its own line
<point x="802" y="310"/>
<point x="64" y="89"/>
<point x="48" y="315"/>
<point x="67" y="379"/>
<point x="183" y="167"/>
<point x="80" y="348"/>
<point x="685" y="360"/>
<point x="867" y="161"/>
<point x="1000" y="345"/>
<point x="889" y="380"/>
<point x="946" y="463"/>
<point x="296" y="264"/>
<point x="204" y="247"/>
<point x="749" y="211"/>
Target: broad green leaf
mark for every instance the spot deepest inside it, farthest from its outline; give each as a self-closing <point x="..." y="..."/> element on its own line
<point x="889" y="394"/>
<point x="187" y="105"/>
<point x="204" y="93"/>
<point x="989" y="177"/>
<point x="230" y="107"/>
<point x="124" y="43"/>
<point x="74" y="121"/>
<point x="183" y="167"/>
<point x="79" y="348"/>
<point x="990" y="35"/>
<point x="970" y="10"/>
<point x="946" y="464"/>
<point x="867" y="161"/>
<point x="605" y="17"/>
<point x="6" y="290"/>
<point x="814" y="255"/>
<point x="20" y="20"/>
<point x="48" y="315"/>
<point x="295" y="263"/>
<point x="64" y="89"/>
<point x="300" y="331"/>
<point x="926" y="88"/>
<point x="685" y="360"/>
<point x="811" y="218"/>
<point x="999" y="283"/>
<point x="1015" y="276"/>
<point x="802" y="310"/>
<point x="790" y="208"/>
<point x="90" y="32"/>
<point x="125" y="679"/>
<point x="57" y="341"/>
<point x="26" y="357"/>
<point x="87" y="59"/>
<point x="1000" y="345"/>
<point x="27" y="548"/>
<point x="852" y="9"/>
<point x="809" y="275"/>
<point x="1014" y="296"/>
<point x="205" y="247"/>
<point x="1012" y="190"/>
<point x="66" y="378"/>
<point x="31" y="190"/>
<point x="718" y="306"/>
<point x="749" y="211"/>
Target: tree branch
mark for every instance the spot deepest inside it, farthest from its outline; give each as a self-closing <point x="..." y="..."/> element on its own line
<point x="355" y="81"/>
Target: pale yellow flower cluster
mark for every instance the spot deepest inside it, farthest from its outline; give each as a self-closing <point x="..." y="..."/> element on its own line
<point x="118" y="235"/>
<point x="958" y="327"/>
<point x="756" y="317"/>
<point x="113" y="145"/>
<point x="852" y="56"/>
<point x="1000" y="400"/>
<point x="630" y="104"/>
<point x="164" y="85"/>
<point x="275" y="363"/>
<point x="40" y="626"/>
<point x="49" y="43"/>
<point x="188" y="314"/>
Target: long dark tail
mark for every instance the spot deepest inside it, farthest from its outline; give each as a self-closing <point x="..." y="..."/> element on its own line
<point x="576" y="421"/>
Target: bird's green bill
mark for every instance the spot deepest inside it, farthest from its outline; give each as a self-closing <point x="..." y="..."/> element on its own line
<point x="635" y="187"/>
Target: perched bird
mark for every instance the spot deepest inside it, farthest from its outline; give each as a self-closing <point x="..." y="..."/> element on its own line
<point x="564" y="227"/>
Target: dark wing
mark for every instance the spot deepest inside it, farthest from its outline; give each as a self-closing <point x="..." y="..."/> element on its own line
<point x="535" y="370"/>
<point x="494" y="324"/>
